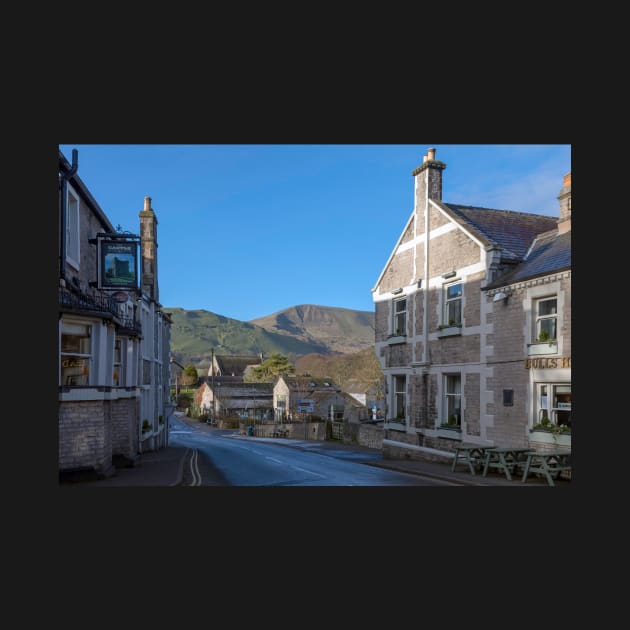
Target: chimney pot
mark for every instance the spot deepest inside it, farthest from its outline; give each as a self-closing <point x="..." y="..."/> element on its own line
<point x="147" y="203"/>
<point x="431" y="154"/>
<point x="424" y="158"/>
<point x="567" y="180"/>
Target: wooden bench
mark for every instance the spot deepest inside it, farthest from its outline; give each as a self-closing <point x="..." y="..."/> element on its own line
<point x="471" y="454"/>
<point x="550" y="464"/>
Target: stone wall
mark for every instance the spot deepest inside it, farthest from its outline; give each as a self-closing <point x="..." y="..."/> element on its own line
<point x="84" y="436"/>
<point x="124" y="427"/>
<point x="363" y="434"/>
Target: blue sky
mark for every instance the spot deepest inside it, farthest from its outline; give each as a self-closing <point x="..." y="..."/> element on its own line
<point x="248" y="230"/>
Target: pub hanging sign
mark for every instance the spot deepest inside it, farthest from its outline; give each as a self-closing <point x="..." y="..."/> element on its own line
<point x="118" y="263"/>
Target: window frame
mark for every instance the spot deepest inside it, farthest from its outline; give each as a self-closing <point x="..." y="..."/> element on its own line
<point x="448" y="407"/>
<point x="547" y="317"/>
<point x="446" y="319"/>
<point x="399" y="397"/>
<point x="548" y="408"/>
<point x="118" y="362"/>
<point x="398" y="328"/>
<point x="84" y="377"/>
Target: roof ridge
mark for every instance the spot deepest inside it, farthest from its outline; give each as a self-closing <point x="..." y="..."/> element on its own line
<point x="506" y="210"/>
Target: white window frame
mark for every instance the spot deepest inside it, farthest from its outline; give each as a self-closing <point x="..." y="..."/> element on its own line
<point x="446" y="320"/>
<point x="83" y="378"/>
<point x="73" y="241"/>
<point x="399" y="397"/>
<point x="452" y="400"/>
<point x="545" y="403"/>
<point x="399" y="318"/>
<point x="120" y="354"/>
<point x="540" y="318"/>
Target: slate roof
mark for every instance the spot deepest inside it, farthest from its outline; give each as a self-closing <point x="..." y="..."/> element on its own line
<point x="513" y="231"/>
<point x="235" y="364"/>
<point x="550" y="253"/>
<point x="311" y="383"/>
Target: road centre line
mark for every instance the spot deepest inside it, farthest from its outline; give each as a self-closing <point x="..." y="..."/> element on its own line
<point x="310" y="472"/>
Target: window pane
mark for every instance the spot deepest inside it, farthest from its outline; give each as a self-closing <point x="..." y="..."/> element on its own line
<point x="454" y="291"/>
<point x="400" y="305"/>
<point x="547" y="307"/>
<point x="548" y="328"/>
<point x="453" y="312"/>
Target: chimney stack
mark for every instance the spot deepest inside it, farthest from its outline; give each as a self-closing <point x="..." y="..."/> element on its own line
<point x="431" y="184"/>
<point x="564" y="222"/>
<point x="148" y="247"/>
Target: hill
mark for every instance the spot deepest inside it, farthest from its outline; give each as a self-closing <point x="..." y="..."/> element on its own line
<point x="293" y="332"/>
<point x="341" y="330"/>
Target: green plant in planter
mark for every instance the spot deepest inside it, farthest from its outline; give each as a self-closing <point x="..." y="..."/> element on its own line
<point x="146" y="426"/>
<point x="452" y="420"/>
<point x="544" y="336"/>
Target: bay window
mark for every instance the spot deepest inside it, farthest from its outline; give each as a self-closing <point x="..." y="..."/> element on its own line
<point x="76" y="354"/>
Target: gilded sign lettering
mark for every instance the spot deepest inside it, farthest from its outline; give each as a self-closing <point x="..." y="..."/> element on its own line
<point x="68" y="363"/>
<point x="547" y="362"/>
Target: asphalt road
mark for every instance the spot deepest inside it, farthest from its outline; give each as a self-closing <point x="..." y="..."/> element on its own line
<point x="226" y="458"/>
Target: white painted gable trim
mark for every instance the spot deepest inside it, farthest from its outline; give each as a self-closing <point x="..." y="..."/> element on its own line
<point x="394" y="251"/>
<point x="459" y="225"/>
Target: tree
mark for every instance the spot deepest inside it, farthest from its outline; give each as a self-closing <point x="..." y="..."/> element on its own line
<point x="267" y="371"/>
<point x="190" y="376"/>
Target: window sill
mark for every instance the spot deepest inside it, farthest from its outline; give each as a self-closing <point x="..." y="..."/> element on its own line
<point x="449" y="331"/>
<point x="543" y="347"/>
<point x="395" y="339"/>
<point x="450" y="433"/>
<point x="396" y="425"/>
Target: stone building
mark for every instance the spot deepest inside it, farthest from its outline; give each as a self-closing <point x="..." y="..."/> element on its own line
<point x="114" y="338"/>
<point x="529" y="348"/>
<point x="231" y="396"/>
<point x="442" y="352"/>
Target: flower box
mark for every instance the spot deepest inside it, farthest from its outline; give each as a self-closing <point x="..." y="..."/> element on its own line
<point x="544" y="436"/>
<point x="542" y="347"/>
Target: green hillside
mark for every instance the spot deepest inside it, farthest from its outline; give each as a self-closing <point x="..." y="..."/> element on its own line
<point x="195" y="333"/>
<point x="293" y="332"/>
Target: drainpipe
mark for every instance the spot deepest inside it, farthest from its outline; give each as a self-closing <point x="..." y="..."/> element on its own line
<point x="425" y="300"/>
<point x="62" y="213"/>
<point x="425" y="314"/>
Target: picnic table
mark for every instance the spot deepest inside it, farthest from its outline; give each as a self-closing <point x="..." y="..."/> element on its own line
<point x="471" y="454"/>
<point x="504" y="459"/>
<point x="549" y="463"/>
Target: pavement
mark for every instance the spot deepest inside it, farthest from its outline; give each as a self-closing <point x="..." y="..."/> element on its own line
<point x="176" y="466"/>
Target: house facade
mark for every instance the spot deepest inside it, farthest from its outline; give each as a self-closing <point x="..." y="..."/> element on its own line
<point x="114" y="339"/>
<point x="222" y="396"/>
<point x="313" y="397"/>
<point x="445" y="344"/>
